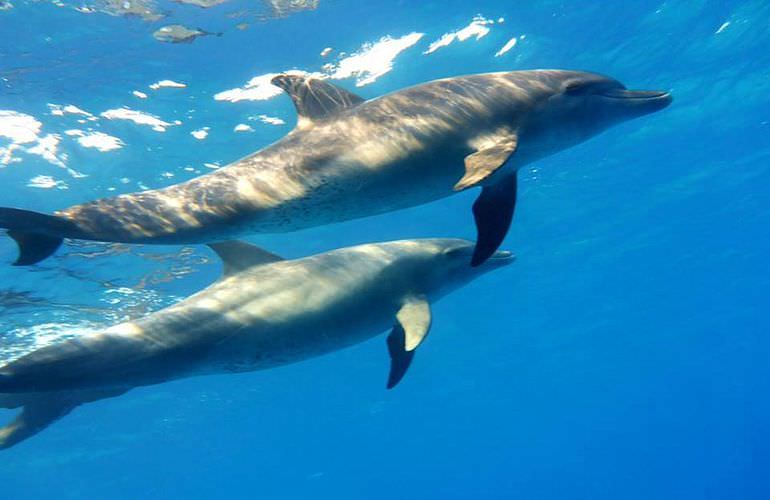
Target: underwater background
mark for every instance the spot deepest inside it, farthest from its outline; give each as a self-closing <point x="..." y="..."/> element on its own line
<point x="624" y="355"/>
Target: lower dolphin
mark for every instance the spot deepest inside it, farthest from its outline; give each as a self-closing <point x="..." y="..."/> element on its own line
<point x="264" y="312"/>
<point x="349" y="158"/>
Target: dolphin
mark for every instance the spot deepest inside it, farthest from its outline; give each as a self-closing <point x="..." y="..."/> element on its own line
<point x="263" y="312"/>
<point x="348" y="158"/>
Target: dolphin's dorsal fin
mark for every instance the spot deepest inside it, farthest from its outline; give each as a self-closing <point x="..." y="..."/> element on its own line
<point x="239" y="255"/>
<point x="491" y="153"/>
<point x="315" y="99"/>
<point x="412" y="326"/>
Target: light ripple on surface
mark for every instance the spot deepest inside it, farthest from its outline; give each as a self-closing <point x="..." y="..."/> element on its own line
<point x="116" y="298"/>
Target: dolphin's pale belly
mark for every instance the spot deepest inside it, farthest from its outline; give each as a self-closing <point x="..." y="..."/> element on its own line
<point x="238" y="331"/>
<point x="261" y="349"/>
<point x="268" y="316"/>
<point x="172" y="345"/>
<point x="267" y="344"/>
<point x="352" y="195"/>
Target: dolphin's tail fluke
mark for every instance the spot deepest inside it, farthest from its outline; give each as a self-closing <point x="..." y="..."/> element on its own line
<point x="39" y="410"/>
<point x="36" y="234"/>
<point x="11" y="401"/>
<point x="34" y="247"/>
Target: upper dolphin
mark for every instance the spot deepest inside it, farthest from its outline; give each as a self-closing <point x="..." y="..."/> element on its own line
<point x="350" y="158"/>
<point x="264" y="312"/>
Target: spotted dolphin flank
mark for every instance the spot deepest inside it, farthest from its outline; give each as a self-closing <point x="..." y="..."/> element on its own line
<point x="264" y="312"/>
<point x="349" y="158"/>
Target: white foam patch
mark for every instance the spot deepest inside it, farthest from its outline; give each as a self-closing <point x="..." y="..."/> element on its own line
<point x="242" y="127"/>
<point x="167" y="84"/>
<point x="99" y="141"/>
<point x="22" y="132"/>
<point x="46" y="182"/>
<point x="19" y="127"/>
<point x="366" y="65"/>
<point x="139" y="118"/>
<point x="61" y="110"/>
<point x="259" y="88"/>
<point x="6" y="154"/>
<point x="269" y="120"/>
<point x="478" y="28"/>
<point x="201" y="133"/>
<point x="508" y="46"/>
<point x="139" y="94"/>
<point x="47" y="147"/>
<point x="373" y="60"/>
<point x="28" y="339"/>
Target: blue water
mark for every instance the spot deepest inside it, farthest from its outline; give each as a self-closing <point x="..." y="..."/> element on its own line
<point x="624" y="355"/>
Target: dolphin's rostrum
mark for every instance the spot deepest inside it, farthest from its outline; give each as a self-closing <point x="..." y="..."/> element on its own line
<point x="265" y="311"/>
<point x="349" y="158"/>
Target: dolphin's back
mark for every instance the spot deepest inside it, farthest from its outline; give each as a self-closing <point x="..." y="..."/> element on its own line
<point x="360" y="159"/>
<point x="261" y="317"/>
<point x="349" y="165"/>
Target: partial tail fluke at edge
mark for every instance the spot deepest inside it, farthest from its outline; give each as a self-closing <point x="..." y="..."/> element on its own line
<point x="38" y="412"/>
<point x="34" y="247"/>
<point x="34" y="233"/>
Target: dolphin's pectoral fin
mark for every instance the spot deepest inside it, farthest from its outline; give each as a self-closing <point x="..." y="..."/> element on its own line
<point x="414" y="318"/>
<point x="315" y="99"/>
<point x="239" y="255"/>
<point x="400" y="358"/>
<point x="480" y="165"/>
<point x="412" y="326"/>
<point x="493" y="212"/>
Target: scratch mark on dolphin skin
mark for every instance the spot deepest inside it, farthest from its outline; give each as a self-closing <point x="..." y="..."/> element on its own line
<point x="722" y="27"/>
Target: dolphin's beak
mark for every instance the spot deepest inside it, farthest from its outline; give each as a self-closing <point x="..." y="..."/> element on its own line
<point x="639" y="102"/>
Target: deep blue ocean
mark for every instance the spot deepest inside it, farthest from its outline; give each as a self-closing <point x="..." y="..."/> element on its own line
<point x="625" y="355"/>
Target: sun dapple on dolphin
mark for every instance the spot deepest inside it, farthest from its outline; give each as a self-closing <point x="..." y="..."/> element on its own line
<point x="349" y="158"/>
<point x="264" y="312"/>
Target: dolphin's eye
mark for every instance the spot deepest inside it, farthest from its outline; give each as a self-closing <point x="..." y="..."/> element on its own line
<point x="592" y="87"/>
<point x="462" y="251"/>
<point x="578" y="88"/>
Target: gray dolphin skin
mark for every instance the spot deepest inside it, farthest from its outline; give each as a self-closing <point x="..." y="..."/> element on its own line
<point x="263" y="312"/>
<point x="349" y="158"/>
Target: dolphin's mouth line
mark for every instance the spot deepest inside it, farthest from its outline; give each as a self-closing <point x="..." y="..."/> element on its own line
<point x="636" y="95"/>
<point x="502" y="255"/>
